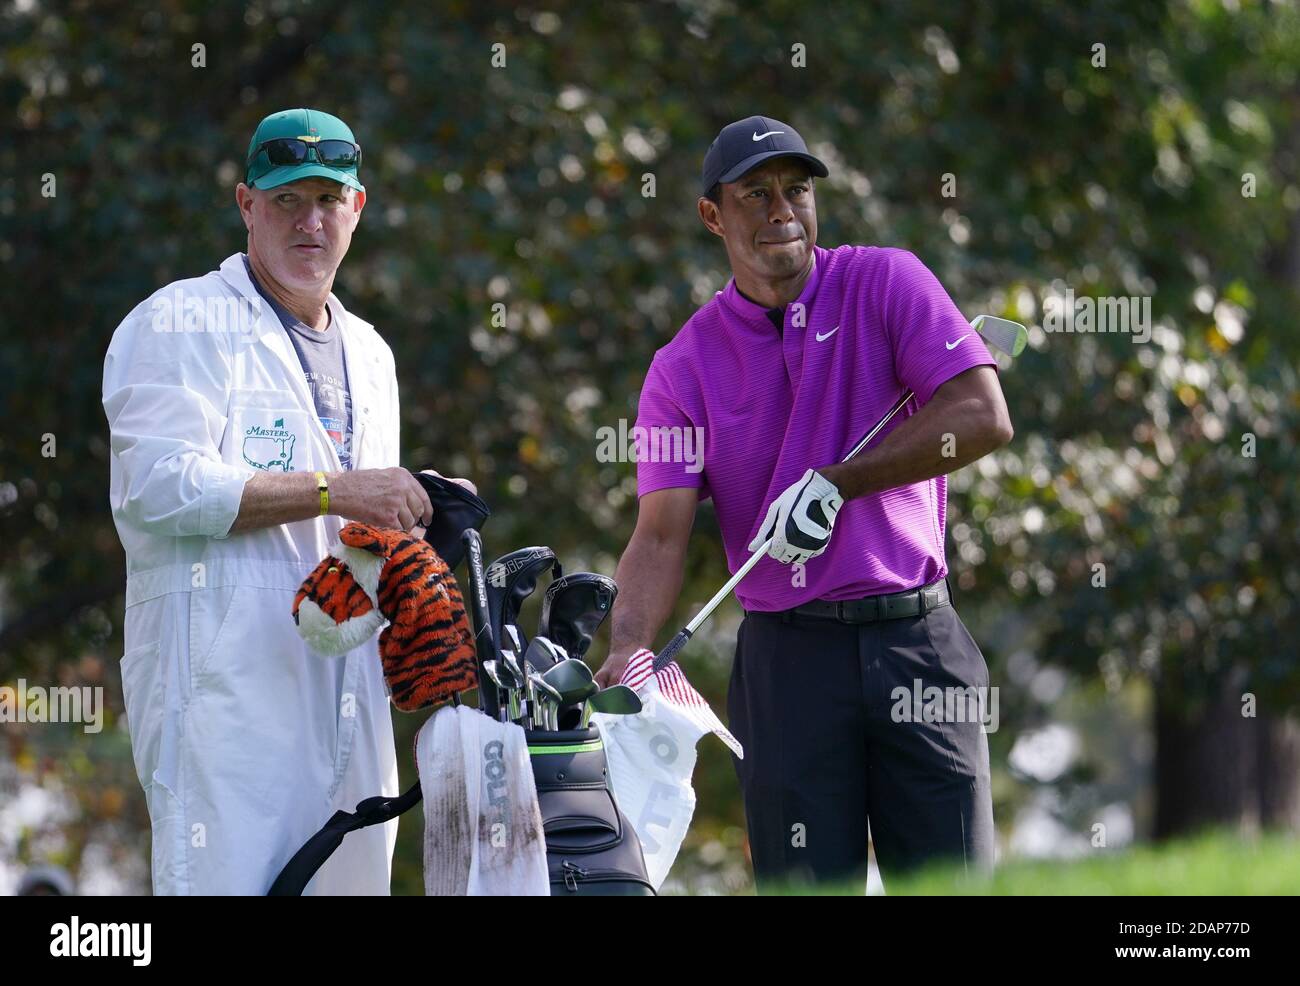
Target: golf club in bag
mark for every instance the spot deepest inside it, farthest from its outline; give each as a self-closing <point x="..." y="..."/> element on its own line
<point x="591" y="847"/>
<point x="510" y="580"/>
<point x="573" y="609"/>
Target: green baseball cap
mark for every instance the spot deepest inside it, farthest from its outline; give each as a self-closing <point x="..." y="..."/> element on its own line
<point x="311" y="127"/>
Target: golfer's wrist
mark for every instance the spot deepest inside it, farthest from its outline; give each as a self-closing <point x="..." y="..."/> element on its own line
<point x="848" y="478"/>
<point x="832" y="475"/>
<point x="622" y="653"/>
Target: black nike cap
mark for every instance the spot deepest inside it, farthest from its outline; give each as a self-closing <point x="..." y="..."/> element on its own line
<point x="744" y="145"/>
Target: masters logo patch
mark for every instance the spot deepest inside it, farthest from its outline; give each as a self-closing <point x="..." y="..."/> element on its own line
<point x="269" y="448"/>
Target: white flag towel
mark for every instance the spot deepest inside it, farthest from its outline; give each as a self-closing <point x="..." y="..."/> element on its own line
<point x="652" y="757"/>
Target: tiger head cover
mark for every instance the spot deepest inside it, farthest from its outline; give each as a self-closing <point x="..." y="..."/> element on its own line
<point x="372" y="576"/>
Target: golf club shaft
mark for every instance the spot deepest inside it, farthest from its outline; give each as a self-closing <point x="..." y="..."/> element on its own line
<point x="669" y="653"/>
<point x="757" y="556"/>
<point x="484" y="651"/>
<point x="479" y="612"/>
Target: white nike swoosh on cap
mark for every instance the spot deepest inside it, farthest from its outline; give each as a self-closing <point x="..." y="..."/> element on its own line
<point x="823" y="338"/>
<point x="954" y="345"/>
<point x="768" y="134"/>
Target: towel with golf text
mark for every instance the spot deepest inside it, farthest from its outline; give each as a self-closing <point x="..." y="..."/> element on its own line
<point x="482" y="825"/>
<point x="651" y="757"/>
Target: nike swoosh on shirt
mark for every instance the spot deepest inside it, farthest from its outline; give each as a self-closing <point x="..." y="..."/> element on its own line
<point x="823" y="338"/>
<point x="954" y="345"/>
<point x="768" y="134"/>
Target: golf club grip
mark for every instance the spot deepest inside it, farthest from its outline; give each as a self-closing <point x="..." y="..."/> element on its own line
<point x="666" y="656"/>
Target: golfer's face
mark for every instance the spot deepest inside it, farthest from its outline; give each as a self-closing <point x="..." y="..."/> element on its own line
<point x="769" y="218"/>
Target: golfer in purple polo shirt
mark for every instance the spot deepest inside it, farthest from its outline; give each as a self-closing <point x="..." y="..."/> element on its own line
<point x="779" y="375"/>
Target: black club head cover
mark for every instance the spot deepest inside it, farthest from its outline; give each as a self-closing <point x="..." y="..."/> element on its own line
<point x="455" y="510"/>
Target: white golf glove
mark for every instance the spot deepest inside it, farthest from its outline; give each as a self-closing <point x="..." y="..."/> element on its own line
<point x="799" y="521"/>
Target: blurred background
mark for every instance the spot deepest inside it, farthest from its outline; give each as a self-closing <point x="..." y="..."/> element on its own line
<point x="1128" y="564"/>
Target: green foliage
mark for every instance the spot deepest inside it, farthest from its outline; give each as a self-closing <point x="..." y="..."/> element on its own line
<point x="523" y="186"/>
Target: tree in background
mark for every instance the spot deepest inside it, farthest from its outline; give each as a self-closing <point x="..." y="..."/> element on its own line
<point x="530" y="239"/>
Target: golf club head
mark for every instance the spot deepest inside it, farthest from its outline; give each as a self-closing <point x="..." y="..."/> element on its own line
<point x="1002" y="333"/>
<point x="580" y="695"/>
<point x="571" y="678"/>
<point x="574" y="607"/>
<point x="510" y="580"/>
<point x="617" y="700"/>
<point x="508" y="686"/>
<point x="543" y="654"/>
<point x="548" y="700"/>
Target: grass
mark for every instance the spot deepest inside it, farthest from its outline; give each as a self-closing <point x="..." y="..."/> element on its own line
<point x="1216" y="864"/>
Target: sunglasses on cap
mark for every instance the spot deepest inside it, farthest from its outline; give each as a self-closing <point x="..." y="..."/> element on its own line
<point x="332" y="153"/>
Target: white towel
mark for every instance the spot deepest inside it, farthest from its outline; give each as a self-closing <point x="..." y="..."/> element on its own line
<point x="651" y="757"/>
<point x="482" y="827"/>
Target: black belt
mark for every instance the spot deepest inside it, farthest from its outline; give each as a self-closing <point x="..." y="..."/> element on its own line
<point x="894" y="606"/>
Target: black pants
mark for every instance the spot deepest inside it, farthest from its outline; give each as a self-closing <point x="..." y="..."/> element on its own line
<point x="830" y="745"/>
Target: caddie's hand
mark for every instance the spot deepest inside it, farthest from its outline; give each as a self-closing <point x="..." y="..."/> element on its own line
<point x="391" y="498"/>
<point x="453" y="479"/>
<point x="800" y="520"/>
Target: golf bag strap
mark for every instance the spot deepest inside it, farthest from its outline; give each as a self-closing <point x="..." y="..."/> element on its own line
<point x="297" y="873"/>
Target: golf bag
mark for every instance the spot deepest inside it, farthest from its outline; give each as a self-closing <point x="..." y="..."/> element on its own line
<point x="591" y="848"/>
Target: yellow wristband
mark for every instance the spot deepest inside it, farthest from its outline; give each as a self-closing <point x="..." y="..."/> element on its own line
<point x="323" y="485"/>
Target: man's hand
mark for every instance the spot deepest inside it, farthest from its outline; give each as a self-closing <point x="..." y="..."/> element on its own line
<point x="615" y="664"/>
<point x="419" y="529"/>
<point x="452" y="479"/>
<point x="388" y="498"/>
<point x="800" y="520"/>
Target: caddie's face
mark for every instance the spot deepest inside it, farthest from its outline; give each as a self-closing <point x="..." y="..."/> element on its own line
<point x="767" y="218"/>
<point x="301" y="231"/>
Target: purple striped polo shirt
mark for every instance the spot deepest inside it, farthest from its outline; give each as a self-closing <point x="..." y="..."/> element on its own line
<point x="769" y="405"/>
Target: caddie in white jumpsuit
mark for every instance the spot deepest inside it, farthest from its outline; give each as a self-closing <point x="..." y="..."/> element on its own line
<point x="251" y="417"/>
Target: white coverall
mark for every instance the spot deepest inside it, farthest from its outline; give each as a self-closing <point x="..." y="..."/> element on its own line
<point x="245" y="741"/>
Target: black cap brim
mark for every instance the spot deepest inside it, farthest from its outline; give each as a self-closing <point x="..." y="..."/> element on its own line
<point x="754" y="160"/>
